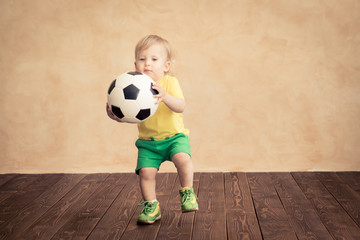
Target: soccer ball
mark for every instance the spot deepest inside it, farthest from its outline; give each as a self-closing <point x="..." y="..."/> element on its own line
<point x="130" y="97"/>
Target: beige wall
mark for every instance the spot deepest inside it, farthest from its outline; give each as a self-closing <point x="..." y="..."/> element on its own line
<point x="270" y="85"/>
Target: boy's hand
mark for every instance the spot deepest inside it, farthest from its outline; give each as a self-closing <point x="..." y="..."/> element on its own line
<point x="111" y="114"/>
<point x="162" y="95"/>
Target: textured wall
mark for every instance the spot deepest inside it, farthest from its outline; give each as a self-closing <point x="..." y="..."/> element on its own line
<point x="270" y="85"/>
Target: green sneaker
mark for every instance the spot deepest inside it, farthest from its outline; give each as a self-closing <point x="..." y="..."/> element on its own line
<point x="188" y="199"/>
<point x="150" y="213"/>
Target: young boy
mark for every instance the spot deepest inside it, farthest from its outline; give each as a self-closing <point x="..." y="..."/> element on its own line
<point x="162" y="137"/>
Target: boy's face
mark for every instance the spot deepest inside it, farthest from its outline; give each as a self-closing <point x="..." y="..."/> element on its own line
<point x="153" y="62"/>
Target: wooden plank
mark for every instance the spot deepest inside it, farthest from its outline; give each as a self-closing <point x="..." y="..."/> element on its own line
<point x="336" y="220"/>
<point x="210" y="220"/>
<point x="237" y="192"/>
<point x="240" y="213"/>
<point x="115" y="221"/>
<point x="273" y="220"/>
<point x="18" y="182"/>
<point x="174" y="223"/>
<point x="4" y="178"/>
<point x="343" y="193"/>
<point x="14" y="204"/>
<point x="38" y="207"/>
<point x="352" y="179"/>
<point x="80" y="225"/>
<point x="164" y="184"/>
<point x="304" y="219"/>
<point x="16" y="185"/>
<point x="57" y="215"/>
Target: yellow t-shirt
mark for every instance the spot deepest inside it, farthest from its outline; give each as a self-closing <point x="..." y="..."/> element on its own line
<point x="165" y="122"/>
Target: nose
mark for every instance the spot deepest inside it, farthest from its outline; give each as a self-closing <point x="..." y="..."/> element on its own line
<point x="147" y="62"/>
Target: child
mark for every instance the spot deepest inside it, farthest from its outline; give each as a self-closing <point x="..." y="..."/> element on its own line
<point x="163" y="136"/>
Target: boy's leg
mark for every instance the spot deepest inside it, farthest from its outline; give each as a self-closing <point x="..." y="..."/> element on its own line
<point x="183" y="163"/>
<point x="147" y="183"/>
<point x="151" y="211"/>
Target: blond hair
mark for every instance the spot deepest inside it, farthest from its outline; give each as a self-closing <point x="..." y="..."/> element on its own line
<point x="150" y="40"/>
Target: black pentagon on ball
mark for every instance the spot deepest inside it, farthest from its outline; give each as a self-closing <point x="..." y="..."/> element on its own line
<point x="154" y="91"/>
<point x="112" y="85"/>
<point x="134" y="73"/>
<point x="131" y="92"/>
<point x="143" y="114"/>
<point x="117" y="111"/>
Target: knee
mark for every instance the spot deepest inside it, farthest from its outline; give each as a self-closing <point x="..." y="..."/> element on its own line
<point x="147" y="173"/>
<point x="181" y="159"/>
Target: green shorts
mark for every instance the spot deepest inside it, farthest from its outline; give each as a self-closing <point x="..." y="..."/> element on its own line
<point x="153" y="153"/>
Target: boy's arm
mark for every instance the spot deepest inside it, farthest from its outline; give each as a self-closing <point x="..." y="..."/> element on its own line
<point x="175" y="104"/>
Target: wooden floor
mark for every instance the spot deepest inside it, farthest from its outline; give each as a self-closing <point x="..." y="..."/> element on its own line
<point x="232" y="206"/>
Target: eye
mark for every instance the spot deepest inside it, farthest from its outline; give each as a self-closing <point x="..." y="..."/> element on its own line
<point x="141" y="59"/>
<point x="154" y="59"/>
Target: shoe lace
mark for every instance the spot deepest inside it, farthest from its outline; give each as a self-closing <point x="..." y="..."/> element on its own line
<point x="188" y="194"/>
<point x="148" y="207"/>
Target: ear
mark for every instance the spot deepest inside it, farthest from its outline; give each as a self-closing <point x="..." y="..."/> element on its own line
<point x="167" y="66"/>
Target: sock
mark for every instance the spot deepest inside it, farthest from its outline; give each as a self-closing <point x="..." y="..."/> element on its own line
<point x="185" y="188"/>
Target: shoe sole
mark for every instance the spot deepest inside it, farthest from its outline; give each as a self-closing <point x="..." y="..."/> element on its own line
<point x="190" y="210"/>
<point x="140" y="222"/>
